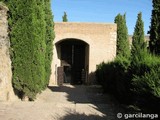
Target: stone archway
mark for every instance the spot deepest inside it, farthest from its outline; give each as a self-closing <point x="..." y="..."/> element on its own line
<point x="99" y="37"/>
<point x="73" y="55"/>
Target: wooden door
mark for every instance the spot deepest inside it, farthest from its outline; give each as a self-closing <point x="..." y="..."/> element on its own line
<point x="60" y="75"/>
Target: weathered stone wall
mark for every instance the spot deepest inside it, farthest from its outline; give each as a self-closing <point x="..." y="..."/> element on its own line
<point x="101" y="38"/>
<point x="6" y="90"/>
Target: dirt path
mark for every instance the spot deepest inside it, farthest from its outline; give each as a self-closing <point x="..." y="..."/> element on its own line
<point x="63" y="103"/>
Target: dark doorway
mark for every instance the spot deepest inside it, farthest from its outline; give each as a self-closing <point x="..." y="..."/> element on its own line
<point x="74" y="60"/>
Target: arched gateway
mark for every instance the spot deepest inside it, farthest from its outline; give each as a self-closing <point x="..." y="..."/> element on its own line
<point x="78" y="48"/>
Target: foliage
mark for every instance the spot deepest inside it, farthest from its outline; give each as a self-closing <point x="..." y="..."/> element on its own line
<point x="136" y="78"/>
<point x="139" y="47"/>
<point x="146" y="73"/>
<point x="113" y="77"/>
<point x="143" y="63"/>
<point x="128" y="82"/>
<point x="100" y="73"/>
<point x="49" y="37"/>
<point x="28" y="43"/>
<point x="64" y="17"/>
<point x="1" y="2"/>
<point x="154" y="43"/>
<point x="149" y="83"/>
<point x="122" y="36"/>
<point x="145" y="82"/>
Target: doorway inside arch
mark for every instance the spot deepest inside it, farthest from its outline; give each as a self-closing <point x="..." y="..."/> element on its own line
<point x="74" y="56"/>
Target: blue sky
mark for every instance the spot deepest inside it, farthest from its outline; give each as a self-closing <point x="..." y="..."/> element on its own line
<point x="103" y="11"/>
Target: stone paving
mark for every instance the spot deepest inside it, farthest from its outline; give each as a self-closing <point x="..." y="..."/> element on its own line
<point x="63" y="103"/>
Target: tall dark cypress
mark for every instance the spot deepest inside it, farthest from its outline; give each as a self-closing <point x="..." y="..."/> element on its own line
<point x="123" y="48"/>
<point x="27" y="36"/>
<point x="154" y="43"/>
<point x="64" y="17"/>
<point x="49" y="37"/>
<point x="138" y="43"/>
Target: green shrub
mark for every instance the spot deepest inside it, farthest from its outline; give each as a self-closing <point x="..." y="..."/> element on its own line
<point x="149" y="83"/>
<point x="100" y="73"/>
<point x="122" y="81"/>
<point x="146" y="77"/>
<point x="31" y="36"/>
<point x="143" y="63"/>
<point x="114" y="78"/>
<point x="27" y="35"/>
<point x="49" y="37"/>
<point x="122" y="76"/>
<point x="145" y="82"/>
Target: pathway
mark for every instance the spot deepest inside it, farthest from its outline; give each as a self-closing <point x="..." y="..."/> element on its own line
<point x="63" y="103"/>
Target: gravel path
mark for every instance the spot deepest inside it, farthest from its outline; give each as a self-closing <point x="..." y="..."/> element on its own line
<point x="63" y="103"/>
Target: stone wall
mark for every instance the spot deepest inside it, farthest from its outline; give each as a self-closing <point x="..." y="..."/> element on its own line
<point x="6" y="90"/>
<point x="101" y="38"/>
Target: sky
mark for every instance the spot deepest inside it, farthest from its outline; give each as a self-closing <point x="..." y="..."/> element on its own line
<point x="103" y="11"/>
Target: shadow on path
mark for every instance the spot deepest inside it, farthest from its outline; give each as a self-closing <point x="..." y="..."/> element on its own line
<point x="85" y="117"/>
<point x="87" y="100"/>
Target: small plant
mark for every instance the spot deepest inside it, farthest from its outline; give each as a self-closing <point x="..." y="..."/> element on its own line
<point x="64" y="17"/>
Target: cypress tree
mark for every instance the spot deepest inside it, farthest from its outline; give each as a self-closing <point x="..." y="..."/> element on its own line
<point x="138" y="43"/>
<point x="64" y="17"/>
<point x="27" y="36"/>
<point x="154" y="43"/>
<point x="49" y="39"/>
<point x="122" y="36"/>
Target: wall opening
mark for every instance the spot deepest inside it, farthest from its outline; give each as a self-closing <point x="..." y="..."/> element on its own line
<point x="74" y="60"/>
